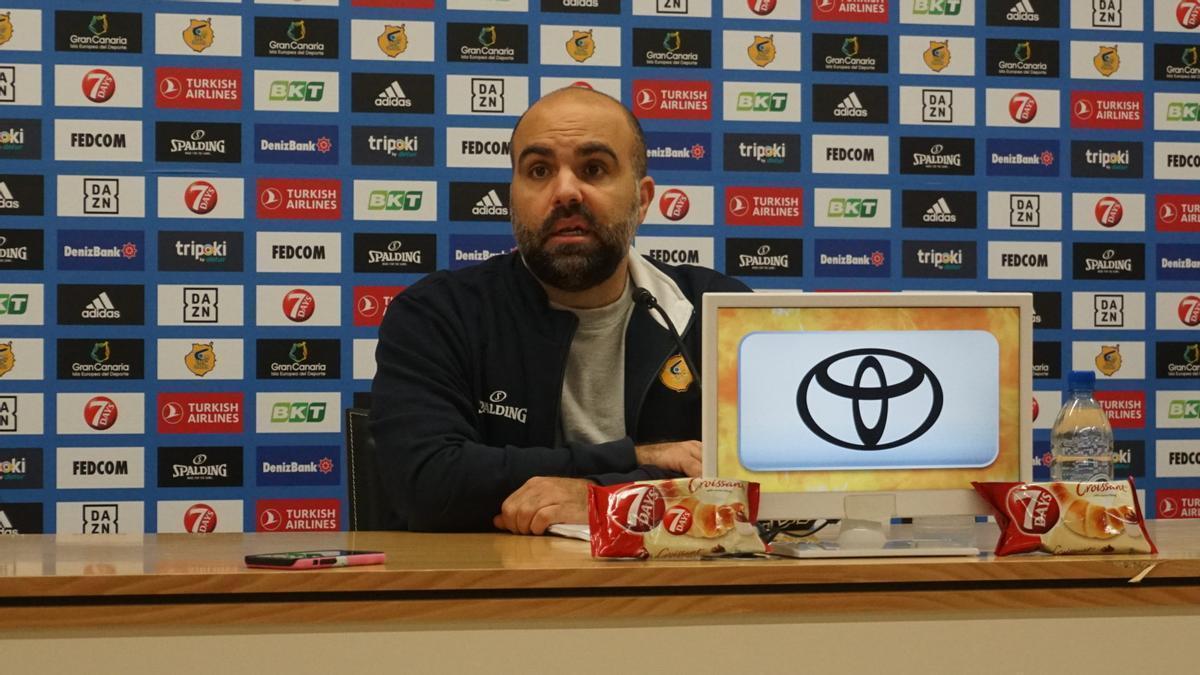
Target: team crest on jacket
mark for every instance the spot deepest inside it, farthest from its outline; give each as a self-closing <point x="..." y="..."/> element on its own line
<point x="1108" y="361"/>
<point x="581" y="46"/>
<point x="202" y="359"/>
<point x="393" y="40"/>
<point x="198" y="35"/>
<point x="675" y="374"/>
<point x="937" y="57"/>
<point x="7" y="359"/>
<point x="1107" y="60"/>
<point x="6" y="27"/>
<point x="762" y="50"/>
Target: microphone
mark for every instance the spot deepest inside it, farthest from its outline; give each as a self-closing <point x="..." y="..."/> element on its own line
<point x="646" y="299"/>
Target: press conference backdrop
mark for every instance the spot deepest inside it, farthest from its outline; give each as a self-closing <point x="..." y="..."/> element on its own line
<point x="206" y="206"/>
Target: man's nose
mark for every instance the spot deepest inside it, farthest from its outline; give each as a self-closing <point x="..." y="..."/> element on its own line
<point x="567" y="189"/>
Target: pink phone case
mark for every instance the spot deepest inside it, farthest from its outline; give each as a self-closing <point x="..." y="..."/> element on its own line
<point x="324" y="561"/>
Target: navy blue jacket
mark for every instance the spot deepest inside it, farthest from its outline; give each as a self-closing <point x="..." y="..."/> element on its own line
<point x="470" y="367"/>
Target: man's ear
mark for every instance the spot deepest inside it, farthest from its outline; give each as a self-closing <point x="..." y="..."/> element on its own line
<point x="645" y="197"/>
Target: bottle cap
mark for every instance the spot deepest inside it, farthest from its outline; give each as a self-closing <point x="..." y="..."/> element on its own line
<point x="1081" y="380"/>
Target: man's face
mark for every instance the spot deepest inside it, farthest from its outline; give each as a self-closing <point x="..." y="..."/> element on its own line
<point x="576" y="202"/>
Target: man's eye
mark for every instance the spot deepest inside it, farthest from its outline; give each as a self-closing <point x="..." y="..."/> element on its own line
<point x="539" y="171"/>
<point x="595" y="170"/>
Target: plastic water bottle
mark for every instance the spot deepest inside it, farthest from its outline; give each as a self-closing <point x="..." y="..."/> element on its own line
<point x="1081" y="442"/>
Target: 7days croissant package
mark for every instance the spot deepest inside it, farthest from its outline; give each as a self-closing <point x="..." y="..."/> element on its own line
<point x="1060" y="517"/>
<point x="683" y="518"/>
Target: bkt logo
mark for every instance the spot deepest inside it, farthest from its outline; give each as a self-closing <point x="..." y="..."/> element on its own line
<point x="870" y="437"/>
<point x="298" y="413"/>
<point x="292" y="90"/>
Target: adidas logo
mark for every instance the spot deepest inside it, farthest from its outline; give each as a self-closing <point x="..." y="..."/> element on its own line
<point x="393" y="97"/>
<point x="939" y="212"/>
<point x="850" y="107"/>
<point x="6" y="198"/>
<point x="101" y="308"/>
<point x="6" y="526"/>
<point x="1023" y="11"/>
<point x="490" y="205"/>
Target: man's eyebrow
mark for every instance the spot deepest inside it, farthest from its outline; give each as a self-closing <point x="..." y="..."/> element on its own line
<point x="596" y="147"/>
<point x="592" y="148"/>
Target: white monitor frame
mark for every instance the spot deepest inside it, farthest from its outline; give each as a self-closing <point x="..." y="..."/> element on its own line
<point x="911" y="503"/>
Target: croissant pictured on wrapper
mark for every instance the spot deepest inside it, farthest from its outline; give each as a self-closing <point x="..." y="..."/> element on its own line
<point x="1100" y="517"/>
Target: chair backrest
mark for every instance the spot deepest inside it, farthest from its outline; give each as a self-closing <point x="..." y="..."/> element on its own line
<point x="364" y="498"/>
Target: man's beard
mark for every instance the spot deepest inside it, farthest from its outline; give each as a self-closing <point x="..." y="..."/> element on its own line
<point x="575" y="267"/>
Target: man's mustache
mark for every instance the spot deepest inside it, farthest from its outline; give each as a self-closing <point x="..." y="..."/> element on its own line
<point x="566" y="211"/>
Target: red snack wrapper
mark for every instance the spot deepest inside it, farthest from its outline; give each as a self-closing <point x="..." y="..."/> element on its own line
<point x="1066" y="518"/>
<point x="684" y="518"/>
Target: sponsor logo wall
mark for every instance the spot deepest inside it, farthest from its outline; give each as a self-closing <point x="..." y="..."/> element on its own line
<point x="206" y="208"/>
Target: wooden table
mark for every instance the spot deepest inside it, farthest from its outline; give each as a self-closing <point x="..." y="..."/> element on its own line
<point x="522" y="598"/>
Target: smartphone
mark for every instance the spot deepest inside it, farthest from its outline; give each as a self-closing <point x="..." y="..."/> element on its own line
<point x="309" y="560"/>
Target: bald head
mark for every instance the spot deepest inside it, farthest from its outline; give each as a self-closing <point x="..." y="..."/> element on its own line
<point x="591" y="97"/>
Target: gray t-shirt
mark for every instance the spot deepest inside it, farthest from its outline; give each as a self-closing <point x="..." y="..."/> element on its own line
<point x="593" y="393"/>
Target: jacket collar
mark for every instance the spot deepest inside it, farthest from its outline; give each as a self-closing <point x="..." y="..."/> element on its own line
<point x="663" y="288"/>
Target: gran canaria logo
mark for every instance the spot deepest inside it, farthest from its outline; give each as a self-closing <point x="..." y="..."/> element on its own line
<point x="1107" y="60"/>
<point x="675" y="374"/>
<point x="850" y="47"/>
<point x="581" y="46"/>
<point x="937" y="57"/>
<point x="98" y="25"/>
<point x="487" y="36"/>
<point x="393" y="40"/>
<point x="762" y="50"/>
<point x="198" y="35"/>
<point x="7" y="358"/>
<point x="672" y="41"/>
<point x="1108" y="361"/>
<point x="6" y="27"/>
<point x="201" y="360"/>
<point x="296" y="31"/>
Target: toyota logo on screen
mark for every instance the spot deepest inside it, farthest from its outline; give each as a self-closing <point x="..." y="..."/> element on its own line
<point x="870" y="385"/>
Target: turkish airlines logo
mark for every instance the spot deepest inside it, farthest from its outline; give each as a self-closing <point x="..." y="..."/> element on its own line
<point x="858" y="11"/>
<point x="99" y="85"/>
<point x="667" y="99"/>
<point x="299" y="515"/>
<point x="100" y="413"/>
<point x="200" y="197"/>
<point x="1177" y="213"/>
<point x="674" y="204"/>
<point x="199" y="88"/>
<point x="1124" y="409"/>
<point x="764" y="206"/>
<point x="1106" y="110"/>
<point x="300" y="198"/>
<point x="200" y="413"/>
<point x="299" y="305"/>
<point x="820" y="382"/>
<point x="370" y="303"/>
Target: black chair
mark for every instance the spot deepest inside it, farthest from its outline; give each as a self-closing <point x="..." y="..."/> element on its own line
<point x="364" y="497"/>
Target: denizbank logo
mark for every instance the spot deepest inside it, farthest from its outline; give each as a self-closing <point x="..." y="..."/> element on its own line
<point x="853" y="258"/>
<point x="1021" y="157"/>
<point x="762" y="101"/>
<point x="296" y="144"/>
<point x="679" y="151"/>
<point x="1178" y="261"/>
<point x="471" y="249"/>
<point x="298" y="465"/>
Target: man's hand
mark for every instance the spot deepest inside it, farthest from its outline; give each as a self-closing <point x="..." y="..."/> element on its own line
<point x="679" y="456"/>
<point x="543" y="501"/>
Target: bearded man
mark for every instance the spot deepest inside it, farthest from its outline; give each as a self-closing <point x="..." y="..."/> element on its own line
<point x="503" y="389"/>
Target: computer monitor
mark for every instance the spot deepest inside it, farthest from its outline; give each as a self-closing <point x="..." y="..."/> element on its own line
<point x="855" y="404"/>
